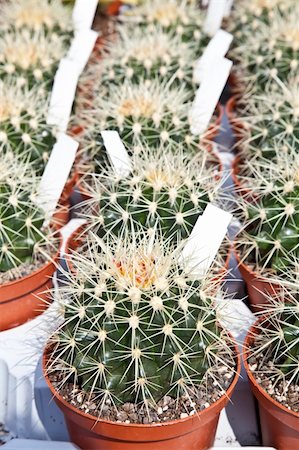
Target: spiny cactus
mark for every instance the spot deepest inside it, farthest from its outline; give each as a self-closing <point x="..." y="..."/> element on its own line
<point x="272" y="49"/>
<point x="270" y="118"/>
<point x="271" y="238"/>
<point x="23" y="128"/>
<point x="36" y="15"/>
<point x="139" y="55"/>
<point x="182" y="17"/>
<point x="137" y="325"/>
<point x="21" y="220"/>
<point x="30" y="57"/>
<point x="274" y="352"/>
<point x="166" y="190"/>
<point x="150" y="111"/>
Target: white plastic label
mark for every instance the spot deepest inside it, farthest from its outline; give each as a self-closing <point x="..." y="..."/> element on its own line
<point x="205" y="239"/>
<point x="68" y="230"/>
<point x="56" y="173"/>
<point x="117" y="153"/>
<point x="217" y="48"/>
<point x="83" y="13"/>
<point x="81" y="48"/>
<point x="228" y="7"/>
<point x="215" y="13"/>
<point x="208" y="95"/>
<point x="63" y="94"/>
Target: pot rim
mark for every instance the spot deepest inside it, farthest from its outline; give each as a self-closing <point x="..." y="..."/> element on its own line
<point x="249" y="337"/>
<point x="227" y="394"/>
<point x="53" y="260"/>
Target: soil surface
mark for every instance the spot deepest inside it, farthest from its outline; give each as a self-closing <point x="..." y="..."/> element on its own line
<point x="282" y="391"/>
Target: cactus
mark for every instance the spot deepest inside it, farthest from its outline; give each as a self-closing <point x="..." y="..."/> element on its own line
<point x="139" y="55"/>
<point x="36" y="15"/>
<point x="23" y="128"/>
<point x="150" y="112"/>
<point x="166" y="189"/>
<point x="182" y="17"/>
<point x="22" y="235"/>
<point x="270" y="239"/>
<point x="273" y="49"/>
<point x="137" y="325"/>
<point x="30" y="57"/>
<point x="274" y="352"/>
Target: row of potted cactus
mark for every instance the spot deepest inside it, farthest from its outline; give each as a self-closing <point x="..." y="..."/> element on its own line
<point x="264" y="116"/>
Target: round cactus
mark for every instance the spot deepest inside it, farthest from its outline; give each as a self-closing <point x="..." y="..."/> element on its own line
<point x="271" y="238"/>
<point x="273" y="354"/>
<point x="36" y="15"/>
<point x="23" y="128"/>
<point x="273" y="48"/>
<point x="30" y="57"/>
<point x="21" y="220"/>
<point x="182" y="17"/>
<point x="138" y="325"/>
<point x="146" y="56"/>
<point x="166" y="190"/>
<point x="151" y="112"/>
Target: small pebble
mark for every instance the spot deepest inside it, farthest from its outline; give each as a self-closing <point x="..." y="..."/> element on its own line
<point x="184" y="415"/>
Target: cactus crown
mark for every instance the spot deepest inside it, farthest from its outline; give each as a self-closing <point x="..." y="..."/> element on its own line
<point x="30" y="56"/>
<point x="181" y="16"/>
<point x="21" y="221"/>
<point x="23" y="127"/>
<point x="274" y="352"/>
<point x="271" y="223"/>
<point x="36" y="15"/>
<point x="137" y="324"/>
<point x="165" y="189"/>
<point x="150" y="111"/>
<point x="147" y="56"/>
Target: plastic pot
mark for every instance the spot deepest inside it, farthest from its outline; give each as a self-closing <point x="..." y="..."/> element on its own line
<point x="27" y="297"/>
<point x="195" y="432"/>
<point x="259" y="288"/>
<point x="279" y="425"/>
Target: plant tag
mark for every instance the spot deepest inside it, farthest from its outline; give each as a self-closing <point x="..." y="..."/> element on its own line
<point x="56" y="173"/>
<point x="208" y="95"/>
<point x="216" y="48"/>
<point x="63" y="94"/>
<point x="228" y="8"/>
<point x="83" y="13"/>
<point x="215" y="13"/>
<point x="68" y="230"/>
<point x="117" y="153"/>
<point x="205" y="239"/>
<point x="81" y="48"/>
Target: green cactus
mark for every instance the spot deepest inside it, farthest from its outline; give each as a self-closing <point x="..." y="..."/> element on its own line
<point x="275" y="349"/>
<point x="272" y="49"/>
<point x="182" y="17"/>
<point x="21" y="221"/>
<point x="166" y="189"/>
<point x="36" y="15"/>
<point x="270" y="240"/>
<point x="23" y="128"/>
<point x="150" y="112"/>
<point x="146" y="56"/>
<point x="137" y="324"/>
<point x="31" y="57"/>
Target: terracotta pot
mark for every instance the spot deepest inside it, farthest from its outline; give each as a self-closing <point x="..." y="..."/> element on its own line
<point x="113" y="8"/>
<point x="193" y="433"/>
<point x="26" y="298"/>
<point x="279" y="425"/>
<point x="240" y="189"/>
<point x="259" y="288"/>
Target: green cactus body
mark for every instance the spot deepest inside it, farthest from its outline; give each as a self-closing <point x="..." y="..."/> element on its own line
<point x="30" y="57"/>
<point x="181" y="17"/>
<point x="36" y="15"/>
<point x="21" y="220"/>
<point x="147" y="56"/>
<point x="23" y="128"/>
<point x="137" y="324"/>
<point x="150" y="112"/>
<point x="166" y="190"/>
